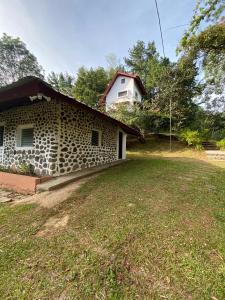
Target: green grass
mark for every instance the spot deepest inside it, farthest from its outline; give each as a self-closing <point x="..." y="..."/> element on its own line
<point x="151" y="228"/>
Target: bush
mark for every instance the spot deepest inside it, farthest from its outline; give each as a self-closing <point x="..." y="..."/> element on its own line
<point x="218" y="134"/>
<point x="193" y="138"/>
<point x="23" y="169"/>
<point x="221" y="144"/>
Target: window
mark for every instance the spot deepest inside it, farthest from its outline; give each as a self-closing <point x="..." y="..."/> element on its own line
<point x="25" y="136"/>
<point x="95" y="138"/>
<point x="136" y="95"/>
<point x="123" y="80"/>
<point x="1" y="135"/>
<point x="122" y="94"/>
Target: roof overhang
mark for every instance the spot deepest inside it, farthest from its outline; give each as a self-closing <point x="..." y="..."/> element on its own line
<point x="28" y="89"/>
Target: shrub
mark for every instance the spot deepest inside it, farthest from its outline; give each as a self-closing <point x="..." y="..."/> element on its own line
<point x="221" y="144"/>
<point x="218" y="134"/>
<point x="23" y="169"/>
<point x="192" y="138"/>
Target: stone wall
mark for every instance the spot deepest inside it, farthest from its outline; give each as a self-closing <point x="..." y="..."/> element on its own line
<point x="62" y="138"/>
<point x="45" y="118"/>
<point x="76" y="151"/>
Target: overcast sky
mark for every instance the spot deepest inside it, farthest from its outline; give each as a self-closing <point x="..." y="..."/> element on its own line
<point x="66" y="34"/>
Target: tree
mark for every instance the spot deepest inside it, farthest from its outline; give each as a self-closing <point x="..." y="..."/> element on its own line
<point x="139" y="116"/>
<point x="113" y="65"/>
<point x="90" y="85"/>
<point x="164" y="81"/>
<point x="16" y="61"/>
<point x="177" y="83"/>
<point x="140" y="57"/>
<point x="61" y="82"/>
<point x="208" y="11"/>
<point x="206" y="49"/>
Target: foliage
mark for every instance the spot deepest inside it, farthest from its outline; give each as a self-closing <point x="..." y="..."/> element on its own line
<point x="193" y="137"/>
<point x="141" y="117"/>
<point x="90" y="85"/>
<point x="221" y="144"/>
<point x="23" y="169"/>
<point x="26" y="169"/>
<point x="61" y="82"/>
<point x="205" y="11"/>
<point x="165" y="81"/>
<point x="113" y="65"/>
<point x="207" y="50"/>
<point x="16" y="61"/>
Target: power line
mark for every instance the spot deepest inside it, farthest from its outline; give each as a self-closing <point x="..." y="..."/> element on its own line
<point x="160" y="27"/>
<point x="178" y="26"/>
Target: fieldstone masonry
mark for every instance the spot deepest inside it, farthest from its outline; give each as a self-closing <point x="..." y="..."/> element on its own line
<point x="62" y="138"/>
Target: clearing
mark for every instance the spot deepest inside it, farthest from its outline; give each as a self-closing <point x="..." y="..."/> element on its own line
<point x="151" y="228"/>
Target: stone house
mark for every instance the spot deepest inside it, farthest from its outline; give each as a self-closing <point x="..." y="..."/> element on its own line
<point x="55" y="133"/>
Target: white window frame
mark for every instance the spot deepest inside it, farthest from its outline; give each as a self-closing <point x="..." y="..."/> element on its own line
<point x="19" y="136"/>
<point x="123" y="95"/>
<point x="99" y="137"/>
<point x="2" y="125"/>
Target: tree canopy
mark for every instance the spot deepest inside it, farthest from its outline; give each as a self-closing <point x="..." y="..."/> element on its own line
<point x="90" y="85"/>
<point x="16" y="61"/>
<point x="61" y="82"/>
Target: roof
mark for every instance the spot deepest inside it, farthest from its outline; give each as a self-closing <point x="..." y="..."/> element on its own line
<point x="18" y="93"/>
<point x="124" y="74"/>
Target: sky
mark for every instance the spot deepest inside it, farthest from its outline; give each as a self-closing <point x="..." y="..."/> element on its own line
<point x="67" y="34"/>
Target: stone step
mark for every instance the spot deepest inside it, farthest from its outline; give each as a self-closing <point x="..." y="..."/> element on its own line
<point x="215" y="154"/>
<point x="60" y="181"/>
<point x="209" y="146"/>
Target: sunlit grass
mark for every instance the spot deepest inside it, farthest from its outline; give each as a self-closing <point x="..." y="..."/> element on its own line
<point x="151" y="228"/>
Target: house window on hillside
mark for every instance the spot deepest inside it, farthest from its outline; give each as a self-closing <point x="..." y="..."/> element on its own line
<point x="123" y="80"/>
<point x="122" y="94"/>
<point x="136" y="95"/>
<point x="96" y="138"/>
<point x="25" y="136"/>
<point x="1" y="136"/>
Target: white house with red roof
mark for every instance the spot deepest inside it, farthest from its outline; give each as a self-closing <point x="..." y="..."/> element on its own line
<point x="123" y="88"/>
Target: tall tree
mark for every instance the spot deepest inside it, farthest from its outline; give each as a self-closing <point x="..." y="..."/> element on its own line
<point x="206" y="48"/>
<point x="16" y="61"/>
<point x="208" y="11"/>
<point x="61" y="82"/>
<point x="90" y="85"/>
<point x="164" y="81"/>
<point x="139" y="57"/>
<point x="113" y="65"/>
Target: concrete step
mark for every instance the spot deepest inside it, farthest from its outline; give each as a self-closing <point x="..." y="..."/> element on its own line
<point x="215" y="154"/>
<point x="60" y="181"/>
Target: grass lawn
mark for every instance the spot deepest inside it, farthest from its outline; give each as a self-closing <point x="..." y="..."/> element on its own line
<point x="151" y="228"/>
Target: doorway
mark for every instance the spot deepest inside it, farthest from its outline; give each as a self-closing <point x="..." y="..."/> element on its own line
<point x="120" y="149"/>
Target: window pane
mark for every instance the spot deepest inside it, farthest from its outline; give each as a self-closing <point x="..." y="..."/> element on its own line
<point x="95" y="138"/>
<point x="27" y="136"/>
<point x="1" y="135"/>
<point x="123" y="80"/>
<point x="121" y="94"/>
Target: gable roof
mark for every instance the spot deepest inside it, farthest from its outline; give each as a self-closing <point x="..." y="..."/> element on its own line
<point x="124" y="74"/>
<point x="18" y="93"/>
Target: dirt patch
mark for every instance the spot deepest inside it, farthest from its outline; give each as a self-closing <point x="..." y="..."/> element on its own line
<point x="52" y="198"/>
<point x="53" y="224"/>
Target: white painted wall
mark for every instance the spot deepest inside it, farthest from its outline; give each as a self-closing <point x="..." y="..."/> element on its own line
<point x="130" y="86"/>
